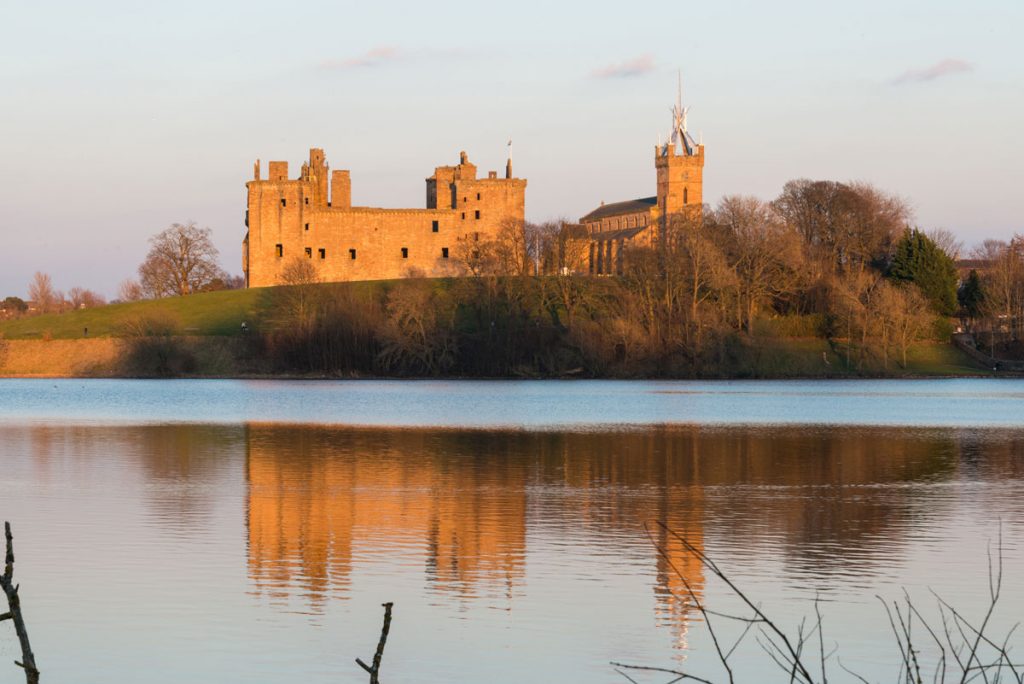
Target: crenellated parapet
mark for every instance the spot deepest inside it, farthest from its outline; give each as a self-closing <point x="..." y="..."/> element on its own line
<point x="312" y="217"/>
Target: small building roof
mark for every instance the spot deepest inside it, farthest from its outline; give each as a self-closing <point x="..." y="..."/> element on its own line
<point x="634" y="206"/>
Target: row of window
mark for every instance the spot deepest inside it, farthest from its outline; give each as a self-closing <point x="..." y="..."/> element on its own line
<point x="435" y="226"/>
<point x="322" y="253"/>
<point x="284" y="202"/>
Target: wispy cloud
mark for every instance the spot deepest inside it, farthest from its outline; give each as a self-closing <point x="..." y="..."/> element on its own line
<point x="638" y="66"/>
<point x="937" y="70"/>
<point x="374" y="57"/>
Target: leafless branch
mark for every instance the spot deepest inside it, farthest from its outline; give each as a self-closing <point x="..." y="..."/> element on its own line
<point x="28" y="659"/>
<point x="374" y="670"/>
<point x="680" y="675"/>
<point x="793" y="655"/>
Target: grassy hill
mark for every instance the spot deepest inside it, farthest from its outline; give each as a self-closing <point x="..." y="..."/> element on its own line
<point x="206" y="314"/>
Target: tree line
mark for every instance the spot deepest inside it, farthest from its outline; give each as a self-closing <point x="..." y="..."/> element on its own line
<point x="835" y="261"/>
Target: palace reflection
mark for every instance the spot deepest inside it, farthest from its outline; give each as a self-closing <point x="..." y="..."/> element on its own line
<point x="461" y="505"/>
<point x="318" y="495"/>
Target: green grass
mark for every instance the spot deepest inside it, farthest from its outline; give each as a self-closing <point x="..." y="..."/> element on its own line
<point x="206" y="314"/>
<point x="209" y="313"/>
<point x="941" y="359"/>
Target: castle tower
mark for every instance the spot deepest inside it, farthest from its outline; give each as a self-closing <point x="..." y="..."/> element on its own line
<point x="680" y="168"/>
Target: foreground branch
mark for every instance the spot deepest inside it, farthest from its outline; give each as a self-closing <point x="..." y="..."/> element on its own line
<point x="28" y="660"/>
<point x="375" y="668"/>
<point x="974" y="651"/>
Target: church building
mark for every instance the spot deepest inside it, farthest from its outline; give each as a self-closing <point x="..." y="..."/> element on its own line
<point x="612" y="228"/>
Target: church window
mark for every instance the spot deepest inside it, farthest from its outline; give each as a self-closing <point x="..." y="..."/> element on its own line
<point x="444" y="252"/>
<point x="352" y="254"/>
<point x="435" y="226"/>
<point x="309" y="252"/>
<point x="405" y="252"/>
<point x="279" y="250"/>
<point x="686" y="196"/>
<point x="323" y="253"/>
<point x="477" y="214"/>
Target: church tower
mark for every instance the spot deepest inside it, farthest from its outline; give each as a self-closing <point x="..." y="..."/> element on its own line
<point x="680" y="167"/>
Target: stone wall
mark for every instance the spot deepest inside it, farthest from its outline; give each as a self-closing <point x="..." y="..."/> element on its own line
<point x="295" y="218"/>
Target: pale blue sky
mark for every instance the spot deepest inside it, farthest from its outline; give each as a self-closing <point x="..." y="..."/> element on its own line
<point x="119" y="118"/>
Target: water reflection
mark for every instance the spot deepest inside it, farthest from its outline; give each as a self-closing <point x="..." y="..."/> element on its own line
<point x="528" y="540"/>
<point x="458" y="507"/>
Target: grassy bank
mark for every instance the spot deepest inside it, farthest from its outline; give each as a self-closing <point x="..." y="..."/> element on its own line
<point x="421" y="328"/>
<point x="206" y="314"/>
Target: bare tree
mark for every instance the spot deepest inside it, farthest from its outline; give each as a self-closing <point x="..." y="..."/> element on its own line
<point x="299" y="271"/>
<point x="845" y="225"/>
<point x="418" y="336"/>
<point x="181" y="261"/>
<point x="81" y="298"/>
<point x="516" y="248"/>
<point x="299" y="303"/>
<point x="40" y="291"/>
<point x="947" y="241"/>
<point x="1003" y="282"/>
<point x="130" y="291"/>
<point x="762" y="249"/>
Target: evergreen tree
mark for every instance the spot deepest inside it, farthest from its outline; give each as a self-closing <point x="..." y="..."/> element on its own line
<point x="920" y="261"/>
<point x="971" y="295"/>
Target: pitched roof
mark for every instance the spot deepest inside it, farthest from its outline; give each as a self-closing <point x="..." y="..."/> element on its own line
<point x="620" y="234"/>
<point x="619" y="208"/>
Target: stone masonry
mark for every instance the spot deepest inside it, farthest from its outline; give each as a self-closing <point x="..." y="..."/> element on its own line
<point x="312" y="217"/>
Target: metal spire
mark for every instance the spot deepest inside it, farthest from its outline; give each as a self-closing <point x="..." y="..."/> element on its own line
<point x="680" y="134"/>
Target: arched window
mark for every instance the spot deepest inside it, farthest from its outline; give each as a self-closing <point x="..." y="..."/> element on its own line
<point x="686" y="195"/>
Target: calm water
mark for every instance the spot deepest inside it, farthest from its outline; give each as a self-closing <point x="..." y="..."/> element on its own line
<point x="222" y="531"/>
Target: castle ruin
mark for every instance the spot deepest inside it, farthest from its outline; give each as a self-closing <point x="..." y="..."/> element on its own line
<point x="312" y="217"/>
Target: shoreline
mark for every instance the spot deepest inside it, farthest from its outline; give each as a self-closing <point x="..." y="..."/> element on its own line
<point x="224" y="358"/>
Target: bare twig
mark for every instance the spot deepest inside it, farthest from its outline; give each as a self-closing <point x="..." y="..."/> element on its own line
<point x="695" y="599"/>
<point x="28" y="659"/>
<point x="851" y="672"/>
<point x="680" y="675"/>
<point x="626" y="676"/>
<point x="974" y="651"/>
<point x="800" y="671"/>
<point x="374" y="669"/>
<point x="821" y="639"/>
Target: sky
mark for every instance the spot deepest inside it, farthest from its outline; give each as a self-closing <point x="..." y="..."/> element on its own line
<point x="120" y="118"/>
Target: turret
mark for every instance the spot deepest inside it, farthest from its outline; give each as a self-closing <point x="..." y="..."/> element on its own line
<point x="680" y="168"/>
<point x="341" y="189"/>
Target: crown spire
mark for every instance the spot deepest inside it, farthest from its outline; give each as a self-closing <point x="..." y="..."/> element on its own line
<point x="680" y="136"/>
